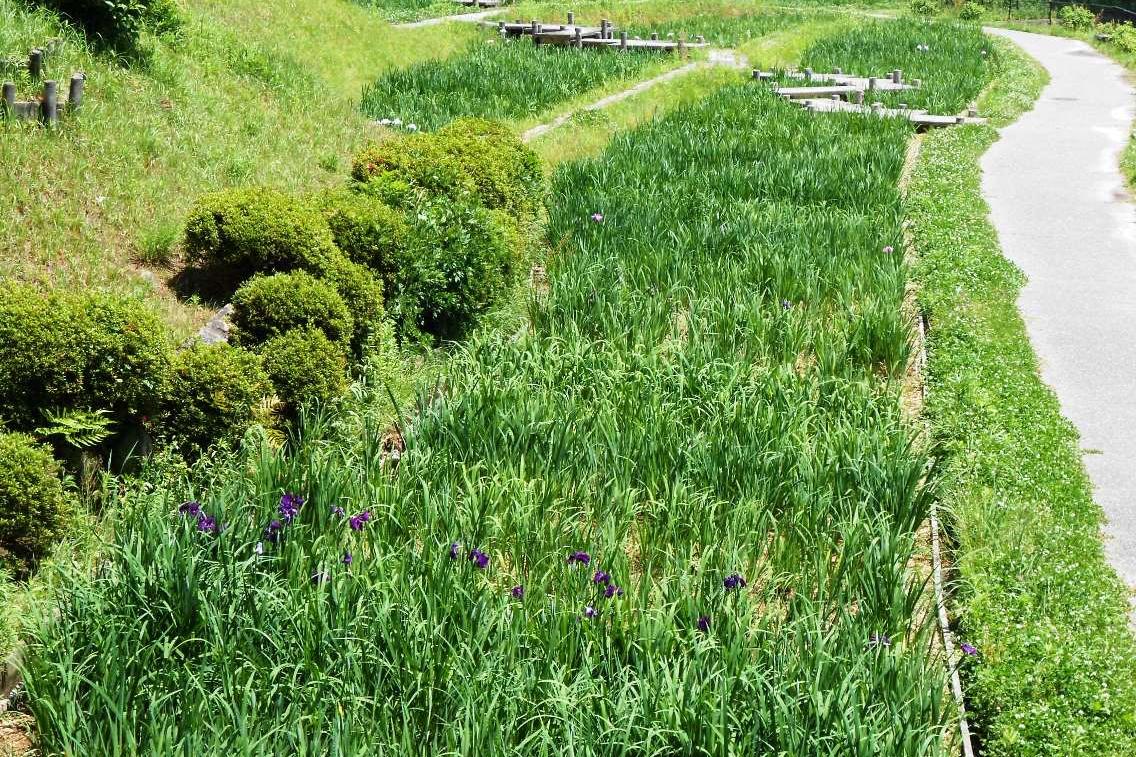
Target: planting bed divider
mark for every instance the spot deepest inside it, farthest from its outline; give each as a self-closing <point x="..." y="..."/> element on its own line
<point x="47" y="107"/>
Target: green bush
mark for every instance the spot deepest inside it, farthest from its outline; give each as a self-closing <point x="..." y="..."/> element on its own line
<point x="404" y="168"/>
<point x="924" y="7"/>
<point x="971" y="11"/>
<point x="362" y="293"/>
<point x="268" y="306"/>
<point x="117" y="23"/>
<point x="305" y="367"/>
<point x="33" y="508"/>
<point x="459" y="265"/>
<point x="215" y="393"/>
<point x="506" y="172"/>
<point x="64" y="350"/>
<point x="1076" y="17"/>
<point x="367" y="230"/>
<point x="257" y="230"/>
<point x="1124" y="37"/>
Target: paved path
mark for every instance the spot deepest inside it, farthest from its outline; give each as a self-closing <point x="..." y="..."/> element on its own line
<point x="1059" y="204"/>
<point x="466" y="17"/>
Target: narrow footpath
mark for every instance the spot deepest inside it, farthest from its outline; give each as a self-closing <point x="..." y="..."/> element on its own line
<point x="1063" y="215"/>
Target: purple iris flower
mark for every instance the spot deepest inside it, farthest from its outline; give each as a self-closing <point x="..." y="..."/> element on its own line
<point x="601" y="578"/>
<point x="191" y="509"/>
<point x="290" y="506"/>
<point x="518" y="592"/>
<point x="479" y="558"/>
<point x="786" y="305"/>
<point x="337" y="511"/>
<point x="455" y="550"/>
<point x="347" y="558"/>
<point x="207" y="524"/>
<point x="358" y="521"/>
<point x="734" y="581"/>
<point x="582" y="558"/>
<point x="273" y="531"/>
<point x="969" y="649"/>
<point x="704" y="623"/>
<point x="879" y="640"/>
<point x="590" y="612"/>
<point x="612" y="590"/>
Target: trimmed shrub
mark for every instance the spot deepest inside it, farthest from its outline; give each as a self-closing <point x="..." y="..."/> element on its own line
<point x="362" y="293"/>
<point x="117" y="23"/>
<point x="33" y="507"/>
<point x="924" y="7"/>
<point x="62" y="350"/>
<point x="214" y="395"/>
<point x="367" y="230"/>
<point x="459" y="265"/>
<point x="1076" y="17"/>
<point x="405" y="168"/>
<point x="305" y="367"/>
<point x="506" y="172"/>
<point x="971" y="11"/>
<point x="268" y="306"/>
<point x="257" y="230"/>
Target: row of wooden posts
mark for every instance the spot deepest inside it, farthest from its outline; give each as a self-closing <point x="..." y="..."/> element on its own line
<point x="47" y="108"/>
<point x="584" y="36"/>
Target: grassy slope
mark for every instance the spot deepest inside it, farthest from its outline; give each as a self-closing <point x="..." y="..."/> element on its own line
<point x="1057" y="667"/>
<point x="247" y="92"/>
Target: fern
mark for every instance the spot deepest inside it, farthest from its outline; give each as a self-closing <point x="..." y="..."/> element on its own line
<point x="81" y="429"/>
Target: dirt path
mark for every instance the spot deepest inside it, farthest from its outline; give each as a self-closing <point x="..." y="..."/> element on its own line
<point x="1059" y="204"/>
<point x="467" y="17"/>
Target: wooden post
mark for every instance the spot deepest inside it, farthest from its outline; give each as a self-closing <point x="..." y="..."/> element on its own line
<point x="571" y="18"/>
<point x="578" y="39"/>
<point x="654" y="35"/>
<point x="9" y="99"/>
<point x="836" y="98"/>
<point x="872" y="83"/>
<point x="897" y="76"/>
<point x="75" y="95"/>
<point x="50" y="103"/>
<point x="35" y="63"/>
<point x="623" y="41"/>
<point x="682" y="45"/>
<point x="534" y="24"/>
<point x="859" y="97"/>
<point x="605" y="28"/>
<point x="501" y="27"/>
<point x="809" y="74"/>
<point x="757" y="74"/>
<point x="838" y="71"/>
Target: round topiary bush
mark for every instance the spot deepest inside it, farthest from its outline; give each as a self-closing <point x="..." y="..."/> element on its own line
<point x="215" y="393"/>
<point x="267" y="306"/>
<point x="305" y="367"/>
<point x="459" y="265"/>
<point x="255" y="229"/>
<point x="506" y="172"/>
<point x="971" y="11"/>
<point x="65" y="350"/>
<point x="405" y="168"/>
<point x="1076" y="17"/>
<point x="33" y="507"/>
<point x="367" y="230"/>
<point x="362" y="293"/>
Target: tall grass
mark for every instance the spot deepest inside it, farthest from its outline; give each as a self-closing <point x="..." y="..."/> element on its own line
<point x="500" y="79"/>
<point x="707" y="391"/>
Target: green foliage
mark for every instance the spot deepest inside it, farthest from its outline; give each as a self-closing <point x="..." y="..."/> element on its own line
<point x="305" y="367"/>
<point x="367" y="230"/>
<point x="971" y="11"/>
<point x="33" y="508"/>
<point x="77" y="428"/>
<point x="215" y="394"/>
<point x="62" y="351"/>
<point x="257" y="229"/>
<point x="401" y="168"/>
<point x="117" y="23"/>
<point x="267" y="306"/>
<point x="1057" y="675"/>
<point x="459" y="264"/>
<point x="1076" y="17"/>
<point x="497" y="79"/>
<point x="506" y="173"/>
<point x="1124" y="37"/>
<point x="925" y="8"/>
<point x="362" y="293"/>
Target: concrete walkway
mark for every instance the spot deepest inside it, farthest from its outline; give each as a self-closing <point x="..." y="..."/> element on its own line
<point x="1059" y="203"/>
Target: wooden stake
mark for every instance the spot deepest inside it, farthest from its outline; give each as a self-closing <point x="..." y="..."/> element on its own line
<point x="50" y="103"/>
<point x="623" y="41"/>
<point x="75" y="95"/>
<point x="35" y="63"/>
<point x="9" y="99"/>
<point x="571" y="18"/>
